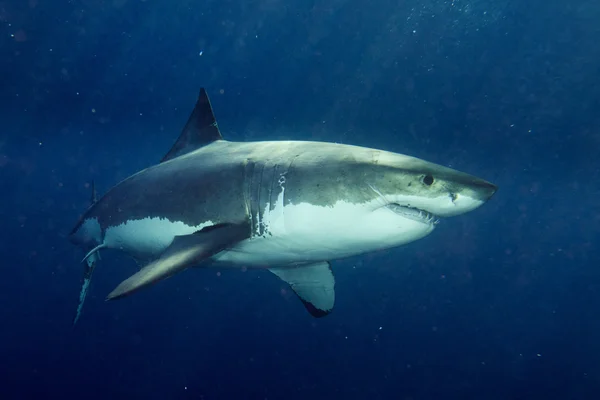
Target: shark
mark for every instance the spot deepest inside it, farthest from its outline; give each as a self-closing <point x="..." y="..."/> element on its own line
<point x="290" y="207"/>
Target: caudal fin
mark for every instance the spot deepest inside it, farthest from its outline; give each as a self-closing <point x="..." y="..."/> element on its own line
<point x="89" y="266"/>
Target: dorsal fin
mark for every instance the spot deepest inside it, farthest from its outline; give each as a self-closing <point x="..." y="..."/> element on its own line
<point x="201" y="129"/>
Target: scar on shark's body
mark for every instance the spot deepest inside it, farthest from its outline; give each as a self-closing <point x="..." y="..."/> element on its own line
<point x="288" y="206"/>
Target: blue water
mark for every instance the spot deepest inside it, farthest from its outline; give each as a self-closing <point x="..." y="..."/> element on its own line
<point x="501" y="303"/>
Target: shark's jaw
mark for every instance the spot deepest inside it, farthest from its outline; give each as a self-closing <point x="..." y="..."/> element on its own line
<point x="414" y="214"/>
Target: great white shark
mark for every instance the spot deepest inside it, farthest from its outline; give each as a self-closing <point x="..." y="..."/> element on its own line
<point x="288" y="206"/>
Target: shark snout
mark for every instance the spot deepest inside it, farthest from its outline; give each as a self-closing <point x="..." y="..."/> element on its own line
<point x="462" y="198"/>
<point x="484" y="190"/>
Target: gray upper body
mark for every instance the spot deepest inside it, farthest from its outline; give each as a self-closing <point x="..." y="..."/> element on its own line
<point x="273" y="204"/>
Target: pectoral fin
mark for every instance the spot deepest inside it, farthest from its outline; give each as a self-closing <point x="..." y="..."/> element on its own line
<point x="184" y="252"/>
<point x="313" y="283"/>
<point x="90" y="264"/>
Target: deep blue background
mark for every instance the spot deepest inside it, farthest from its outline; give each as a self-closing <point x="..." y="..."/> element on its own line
<point x="501" y="303"/>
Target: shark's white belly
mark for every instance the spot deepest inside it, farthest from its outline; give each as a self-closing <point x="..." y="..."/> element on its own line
<point x="145" y="239"/>
<point x="306" y="233"/>
<point x="293" y="234"/>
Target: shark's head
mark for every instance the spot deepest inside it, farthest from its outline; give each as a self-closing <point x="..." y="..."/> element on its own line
<point x="369" y="200"/>
<point x="423" y="192"/>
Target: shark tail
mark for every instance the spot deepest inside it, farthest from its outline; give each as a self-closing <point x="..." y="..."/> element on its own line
<point x="90" y="260"/>
<point x="88" y="270"/>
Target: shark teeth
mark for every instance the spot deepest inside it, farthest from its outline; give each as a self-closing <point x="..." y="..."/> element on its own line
<point x="415" y="214"/>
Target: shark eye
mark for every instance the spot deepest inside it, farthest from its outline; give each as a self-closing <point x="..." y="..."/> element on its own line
<point x="427" y="180"/>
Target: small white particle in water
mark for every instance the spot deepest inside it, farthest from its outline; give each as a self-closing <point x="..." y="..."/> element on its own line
<point x="345" y="337"/>
<point x="381" y="327"/>
<point x="512" y="125"/>
<point x="414" y="31"/>
<point x="538" y="354"/>
<point x="50" y="49"/>
<point x="185" y="387"/>
<point x="40" y="143"/>
<point x="201" y="52"/>
<point x="12" y="35"/>
<point x="93" y="110"/>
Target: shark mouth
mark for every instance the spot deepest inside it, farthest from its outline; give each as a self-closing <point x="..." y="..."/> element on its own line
<point x="414" y="214"/>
